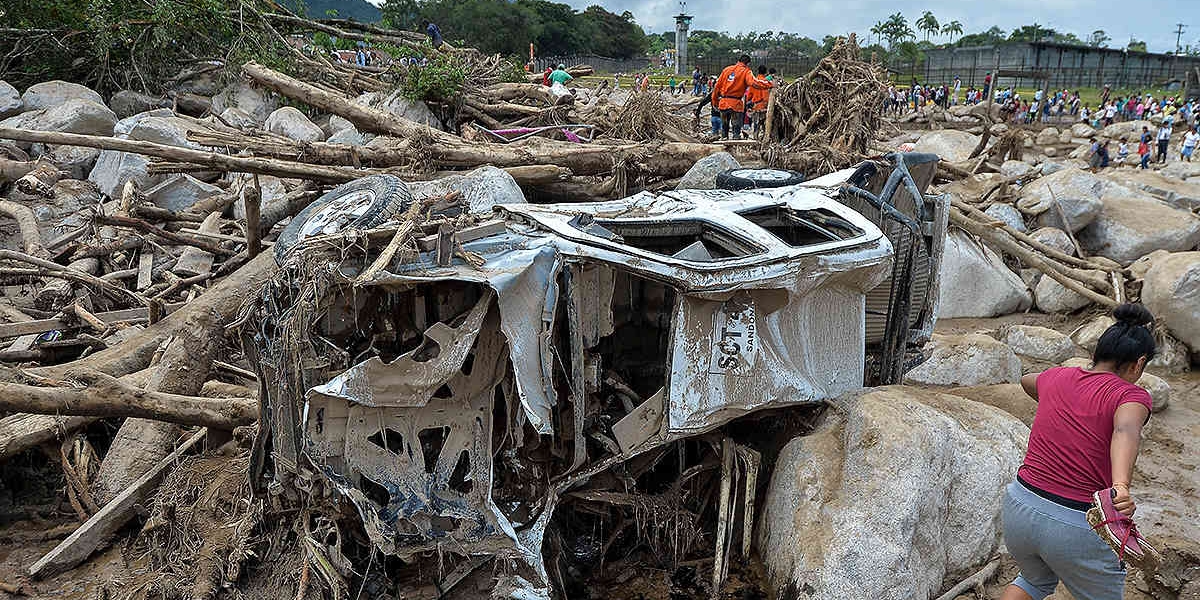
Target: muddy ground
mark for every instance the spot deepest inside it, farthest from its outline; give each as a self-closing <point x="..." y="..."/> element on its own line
<point x="33" y="518"/>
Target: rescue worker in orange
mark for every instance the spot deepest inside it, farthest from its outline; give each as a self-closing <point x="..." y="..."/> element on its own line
<point x="756" y="102"/>
<point x="729" y="92"/>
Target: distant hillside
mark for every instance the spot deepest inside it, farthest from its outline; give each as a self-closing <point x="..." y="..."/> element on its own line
<point x="359" y="10"/>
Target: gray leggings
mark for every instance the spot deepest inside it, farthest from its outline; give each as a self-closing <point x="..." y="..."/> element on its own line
<point x="1051" y="542"/>
<point x="731" y="122"/>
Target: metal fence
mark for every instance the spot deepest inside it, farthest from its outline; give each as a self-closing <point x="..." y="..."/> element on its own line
<point x="602" y="64"/>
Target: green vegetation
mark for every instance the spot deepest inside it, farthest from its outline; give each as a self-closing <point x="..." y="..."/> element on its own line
<point x="438" y="80"/>
<point x="134" y="44"/>
<point x="359" y="10"/>
<point x="508" y="27"/>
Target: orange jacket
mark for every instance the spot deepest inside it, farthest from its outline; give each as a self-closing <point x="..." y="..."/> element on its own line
<point x="731" y="87"/>
<point x="758" y="97"/>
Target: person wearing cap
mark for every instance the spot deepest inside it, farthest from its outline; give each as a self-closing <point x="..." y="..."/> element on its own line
<point x="560" y="75"/>
<point x="729" y="93"/>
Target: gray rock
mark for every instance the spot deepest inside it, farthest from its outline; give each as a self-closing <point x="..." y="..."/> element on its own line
<point x="350" y="137"/>
<point x="70" y="116"/>
<point x="950" y="144"/>
<point x="1050" y="167"/>
<point x="200" y="79"/>
<point x="1051" y="296"/>
<point x="49" y="94"/>
<point x="1015" y="168"/>
<point x="417" y="112"/>
<point x="272" y="190"/>
<point x="1171" y="290"/>
<point x="1008" y="214"/>
<point x="975" y="282"/>
<point x="1160" y="391"/>
<point x="1055" y="238"/>
<point x="1082" y="130"/>
<point x="1133" y="224"/>
<point x="964" y="360"/>
<point x="1047" y="137"/>
<point x="1171" y="355"/>
<point x="1050" y="151"/>
<point x="896" y="485"/>
<point x="703" y="174"/>
<point x="1039" y="343"/>
<point x="254" y="101"/>
<point x="1078" y="193"/>
<point x="127" y="103"/>
<point x="337" y="124"/>
<point x="76" y="161"/>
<point x="481" y="188"/>
<point x="239" y="118"/>
<point x="179" y="192"/>
<point x="113" y="169"/>
<point x="291" y="123"/>
<point x="1129" y="129"/>
<point x="124" y="126"/>
<point x="1181" y="170"/>
<point x="10" y="100"/>
<point x="1088" y="334"/>
<point x="1140" y="266"/>
<point x="1065" y="137"/>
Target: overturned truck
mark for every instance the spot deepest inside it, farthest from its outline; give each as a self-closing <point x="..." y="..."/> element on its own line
<point x="556" y="388"/>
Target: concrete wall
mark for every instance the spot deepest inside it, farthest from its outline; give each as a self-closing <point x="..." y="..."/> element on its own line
<point x="1069" y="66"/>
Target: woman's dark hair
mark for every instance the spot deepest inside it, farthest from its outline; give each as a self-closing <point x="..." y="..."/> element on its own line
<point x="1129" y="339"/>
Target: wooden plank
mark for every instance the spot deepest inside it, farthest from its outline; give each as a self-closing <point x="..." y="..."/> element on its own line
<point x="9" y="330"/>
<point x="145" y="268"/>
<point x="96" y="531"/>
<point x="428" y="243"/>
<point x="21" y="432"/>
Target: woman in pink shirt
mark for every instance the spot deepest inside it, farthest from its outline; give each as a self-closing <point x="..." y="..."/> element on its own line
<point x="1082" y="446"/>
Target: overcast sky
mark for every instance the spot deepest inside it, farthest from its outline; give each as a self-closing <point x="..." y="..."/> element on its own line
<point x="1150" y="20"/>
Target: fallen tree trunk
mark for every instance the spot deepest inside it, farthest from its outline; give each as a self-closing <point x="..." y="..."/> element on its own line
<point x="106" y="396"/>
<point x="31" y="236"/>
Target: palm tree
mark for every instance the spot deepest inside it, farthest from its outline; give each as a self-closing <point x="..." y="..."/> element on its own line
<point x="951" y="29"/>
<point x="878" y="30"/>
<point x="928" y="23"/>
<point x="896" y="29"/>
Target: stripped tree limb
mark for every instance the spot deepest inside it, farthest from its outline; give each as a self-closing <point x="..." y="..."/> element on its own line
<point x="106" y="396"/>
<point x="106" y="286"/>
<point x="27" y="223"/>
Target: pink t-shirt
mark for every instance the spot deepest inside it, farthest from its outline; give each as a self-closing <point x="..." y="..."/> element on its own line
<point x="1069" y="442"/>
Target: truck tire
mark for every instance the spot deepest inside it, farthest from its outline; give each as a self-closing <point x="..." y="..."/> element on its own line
<point x="749" y="179"/>
<point x="359" y="204"/>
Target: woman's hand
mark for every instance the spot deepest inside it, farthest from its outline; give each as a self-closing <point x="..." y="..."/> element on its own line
<point x="1123" y="502"/>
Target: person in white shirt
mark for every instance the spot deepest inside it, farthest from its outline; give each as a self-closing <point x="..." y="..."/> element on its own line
<point x="1164" y="138"/>
<point x="1189" y="144"/>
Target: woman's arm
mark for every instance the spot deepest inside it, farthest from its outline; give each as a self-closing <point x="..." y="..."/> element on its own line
<point x="1029" y="384"/>
<point x="1127" y="433"/>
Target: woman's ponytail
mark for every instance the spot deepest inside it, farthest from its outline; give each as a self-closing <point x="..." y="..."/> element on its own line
<point x="1129" y="339"/>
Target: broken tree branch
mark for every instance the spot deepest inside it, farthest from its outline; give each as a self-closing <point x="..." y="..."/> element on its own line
<point x="27" y="223"/>
<point x="106" y="396"/>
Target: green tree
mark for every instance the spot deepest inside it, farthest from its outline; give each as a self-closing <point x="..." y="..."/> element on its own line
<point x="896" y="29"/>
<point x="1098" y="39"/>
<point x="877" y="30"/>
<point x="991" y="37"/>
<point x="1136" y="45"/>
<point x="952" y="29"/>
<point x="928" y="24"/>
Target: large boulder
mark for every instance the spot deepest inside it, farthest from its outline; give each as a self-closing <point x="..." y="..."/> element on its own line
<point x="75" y="161"/>
<point x="256" y="102"/>
<point x="415" y="111"/>
<point x="1160" y="391"/>
<point x="238" y="118"/>
<point x="1046" y="137"/>
<point x="113" y="169"/>
<point x="349" y="137"/>
<point x="1133" y="224"/>
<point x="179" y="192"/>
<point x="1088" y="334"/>
<point x="703" y="174"/>
<point x="127" y="103"/>
<point x="1181" y="170"/>
<point x="1008" y="215"/>
<point x="950" y="144"/>
<point x="49" y="94"/>
<point x="1082" y="130"/>
<point x="1128" y="129"/>
<point x="1077" y="191"/>
<point x="975" y="282"/>
<point x="1171" y="290"/>
<point x="70" y="116"/>
<point x="10" y="100"/>
<point x="964" y="360"/>
<point x="1055" y="238"/>
<point x="1039" y="343"/>
<point x="481" y="188"/>
<point x="1015" y="168"/>
<point x="1050" y="296"/>
<point x="896" y="485"/>
<point x="291" y="123"/>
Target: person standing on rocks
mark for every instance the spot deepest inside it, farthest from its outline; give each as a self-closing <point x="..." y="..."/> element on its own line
<point x="1144" y="148"/>
<point x="729" y="92"/>
<point x="1082" y="448"/>
<point x="1164" y="139"/>
<point x="1189" y="144"/>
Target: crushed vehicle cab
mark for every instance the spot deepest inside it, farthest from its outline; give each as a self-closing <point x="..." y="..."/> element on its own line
<point x="458" y="396"/>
